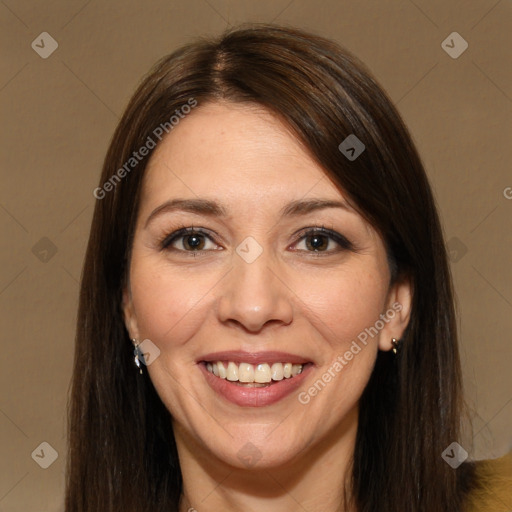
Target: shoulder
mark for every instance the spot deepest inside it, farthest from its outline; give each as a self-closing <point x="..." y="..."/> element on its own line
<point x="493" y="486"/>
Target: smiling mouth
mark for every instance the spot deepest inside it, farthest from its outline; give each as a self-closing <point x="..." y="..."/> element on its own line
<point x="258" y="375"/>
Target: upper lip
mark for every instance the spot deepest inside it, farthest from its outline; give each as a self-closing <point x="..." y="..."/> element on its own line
<point x="240" y="356"/>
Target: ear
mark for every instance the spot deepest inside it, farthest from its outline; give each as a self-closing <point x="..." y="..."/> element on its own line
<point x="397" y="313"/>
<point x="130" y="318"/>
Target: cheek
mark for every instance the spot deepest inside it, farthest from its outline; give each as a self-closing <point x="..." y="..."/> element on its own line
<point x="343" y="304"/>
<point x="168" y="304"/>
<point x="342" y="313"/>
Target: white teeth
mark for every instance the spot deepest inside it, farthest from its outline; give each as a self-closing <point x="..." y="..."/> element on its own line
<point x="262" y="373"/>
<point x="222" y="370"/>
<point x="296" y="369"/>
<point x="276" y="371"/>
<point x="248" y="373"/>
<point x="232" y="371"/>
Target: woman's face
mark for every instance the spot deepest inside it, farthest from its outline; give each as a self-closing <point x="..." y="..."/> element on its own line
<point x="254" y="286"/>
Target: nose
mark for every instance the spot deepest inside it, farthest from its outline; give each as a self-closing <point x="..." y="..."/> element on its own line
<point x="254" y="294"/>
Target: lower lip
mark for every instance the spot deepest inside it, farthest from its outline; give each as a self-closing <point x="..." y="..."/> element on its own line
<point x="254" y="397"/>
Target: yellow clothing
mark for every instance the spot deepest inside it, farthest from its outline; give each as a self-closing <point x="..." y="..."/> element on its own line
<point x="494" y="488"/>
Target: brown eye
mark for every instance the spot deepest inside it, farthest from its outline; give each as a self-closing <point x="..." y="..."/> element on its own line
<point x="193" y="242"/>
<point x="187" y="240"/>
<point x="318" y="240"/>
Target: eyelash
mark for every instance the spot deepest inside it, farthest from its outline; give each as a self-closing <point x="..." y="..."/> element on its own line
<point x="344" y="243"/>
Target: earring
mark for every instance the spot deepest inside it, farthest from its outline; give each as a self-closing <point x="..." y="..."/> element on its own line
<point x="137" y="352"/>
<point x="396" y="345"/>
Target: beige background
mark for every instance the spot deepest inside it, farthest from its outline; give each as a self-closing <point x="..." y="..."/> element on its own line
<point x="59" y="113"/>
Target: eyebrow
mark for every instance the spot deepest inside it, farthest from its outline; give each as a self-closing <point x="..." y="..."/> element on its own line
<point x="214" y="209"/>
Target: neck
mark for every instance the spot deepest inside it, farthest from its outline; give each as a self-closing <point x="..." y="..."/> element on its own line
<point x="316" y="480"/>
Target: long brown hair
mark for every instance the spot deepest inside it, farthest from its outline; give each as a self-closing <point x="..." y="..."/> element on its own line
<point x="122" y="454"/>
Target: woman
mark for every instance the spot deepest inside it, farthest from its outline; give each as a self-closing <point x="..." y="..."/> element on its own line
<point x="266" y="317"/>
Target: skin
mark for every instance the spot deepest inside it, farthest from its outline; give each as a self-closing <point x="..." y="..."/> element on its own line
<point x="291" y="298"/>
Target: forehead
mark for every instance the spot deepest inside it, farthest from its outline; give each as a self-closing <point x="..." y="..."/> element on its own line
<point x="238" y="150"/>
<point x="231" y="129"/>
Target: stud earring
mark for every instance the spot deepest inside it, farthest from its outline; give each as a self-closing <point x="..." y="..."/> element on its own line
<point x="137" y="353"/>
<point x="396" y="345"/>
